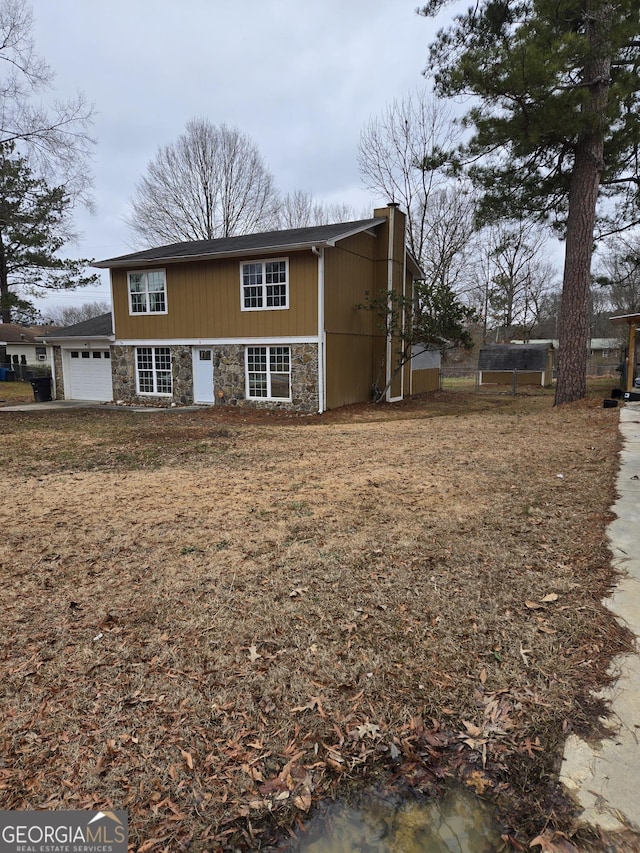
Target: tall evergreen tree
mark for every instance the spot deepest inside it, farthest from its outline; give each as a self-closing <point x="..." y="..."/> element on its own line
<point x="33" y="229"/>
<point x="556" y="126"/>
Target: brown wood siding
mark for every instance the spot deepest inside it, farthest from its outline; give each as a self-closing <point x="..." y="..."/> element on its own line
<point x="349" y="369"/>
<point x="348" y="275"/>
<point x="203" y="301"/>
<point x="354" y="343"/>
<point x="423" y="381"/>
<point x="505" y="377"/>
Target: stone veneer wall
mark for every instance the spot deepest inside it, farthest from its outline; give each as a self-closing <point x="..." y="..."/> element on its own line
<point x="229" y="378"/>
<point x="123" y="374"/>
<point x="57" y="367"/>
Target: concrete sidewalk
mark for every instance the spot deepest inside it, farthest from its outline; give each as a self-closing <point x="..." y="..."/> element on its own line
<point x="605" y="779"/>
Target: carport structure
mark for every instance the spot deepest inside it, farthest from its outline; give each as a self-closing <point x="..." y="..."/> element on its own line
<point x="631" y="321"/>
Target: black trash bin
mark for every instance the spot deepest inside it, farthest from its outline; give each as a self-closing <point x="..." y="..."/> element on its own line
<point x="41" y="389"/>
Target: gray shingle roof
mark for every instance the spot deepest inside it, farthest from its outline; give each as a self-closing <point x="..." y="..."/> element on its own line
<point x="295" y="238"/>
<point x="96" y="327"/>
<point x="513" y="357"/>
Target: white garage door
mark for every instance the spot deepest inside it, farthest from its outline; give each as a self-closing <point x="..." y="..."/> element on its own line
<point x="90" y="375"/>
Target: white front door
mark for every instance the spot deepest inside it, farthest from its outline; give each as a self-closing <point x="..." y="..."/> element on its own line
<point x="203" y="375"/>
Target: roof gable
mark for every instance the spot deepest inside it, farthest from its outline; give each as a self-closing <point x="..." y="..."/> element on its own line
<point x="96" y="327"/>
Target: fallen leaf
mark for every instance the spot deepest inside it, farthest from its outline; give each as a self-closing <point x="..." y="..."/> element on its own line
<point x="303" y="800"/>
<point x="368" y="729"/>
<point x="552" y="596"/>
<point x="483" y="675"/>
<point x="253" y="654"/>
<point x="554" y="843"/>
<point x="472" y="729"/>
<point x="546" y="629"/>
<point x="532" y="605"/>
<point x="188" y="758"/>
<point x="313" y="704"/>
<point x="478" y="781"/>
<point x="298" y="591"/>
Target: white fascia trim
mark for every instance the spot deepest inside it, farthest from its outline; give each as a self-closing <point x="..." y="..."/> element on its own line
<point x="350" y="233"/>
<point x="212" y="342"/>
<point x="78" y="343"/>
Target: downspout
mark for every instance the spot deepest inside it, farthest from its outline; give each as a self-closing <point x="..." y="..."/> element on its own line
<point x="322" y="338"/>
<point x="392" y="208"/>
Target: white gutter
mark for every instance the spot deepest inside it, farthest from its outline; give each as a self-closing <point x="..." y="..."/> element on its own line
<point x="322" y="335"/>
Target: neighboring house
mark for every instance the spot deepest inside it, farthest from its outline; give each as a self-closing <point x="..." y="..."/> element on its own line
<point x="606" y="355"/>
<point x="82" y="360"/>
<point x="264" y="320"/>
<point x="533" y="363"/>
<point x="20" y="347"/>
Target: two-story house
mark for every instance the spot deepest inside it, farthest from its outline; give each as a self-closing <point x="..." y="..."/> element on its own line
<point x="272" y="319"/>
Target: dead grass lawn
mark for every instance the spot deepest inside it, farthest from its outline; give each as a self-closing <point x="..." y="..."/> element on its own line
<point x="212" y="619"/>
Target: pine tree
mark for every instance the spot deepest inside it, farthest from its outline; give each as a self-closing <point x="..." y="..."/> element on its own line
<point x="33" y="230"/>
<point x="556" y="127"/>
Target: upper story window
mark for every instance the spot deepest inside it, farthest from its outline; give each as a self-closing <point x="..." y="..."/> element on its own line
<point x="265" y="285"/>
<point x="147" y="292"/>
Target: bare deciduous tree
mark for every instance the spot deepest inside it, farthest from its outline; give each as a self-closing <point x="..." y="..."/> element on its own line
<point x="512" y="277"/>
<point x="401" y="156"/>
<point x="211" y="183"/>
<point x="449" y="237"/>
<point x="300" y="210"/>
<point x="619" y="272"/>
<point x="55" y="137"/>
<point x="70" y="315"/>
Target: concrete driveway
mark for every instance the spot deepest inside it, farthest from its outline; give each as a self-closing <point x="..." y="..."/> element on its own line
<point x="605" y="778"/>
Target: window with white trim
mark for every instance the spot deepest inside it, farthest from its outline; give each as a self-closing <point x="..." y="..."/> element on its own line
<point x="153" y="370"/>
<point x="268" y="373"/>
<point x="147" y="292"/>
<point x="264" y="285"/>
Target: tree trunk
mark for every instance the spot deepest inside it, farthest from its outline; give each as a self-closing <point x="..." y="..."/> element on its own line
<point x="5" y="306"/>
<point x="583" y="195"/>
<point x="574" y="308"/>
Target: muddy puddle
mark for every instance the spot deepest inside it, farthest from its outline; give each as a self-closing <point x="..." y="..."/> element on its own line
<point x="382" y="823"/>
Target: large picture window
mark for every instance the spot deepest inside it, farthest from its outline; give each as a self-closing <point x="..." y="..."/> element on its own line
<point x="153" y="370"/>
<point x="264" y="285"/>
<point x="268" y="373"/>
<point x="147" y="292"/>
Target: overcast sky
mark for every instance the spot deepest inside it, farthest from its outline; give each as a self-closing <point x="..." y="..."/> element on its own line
<point x="300" y="77"/>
